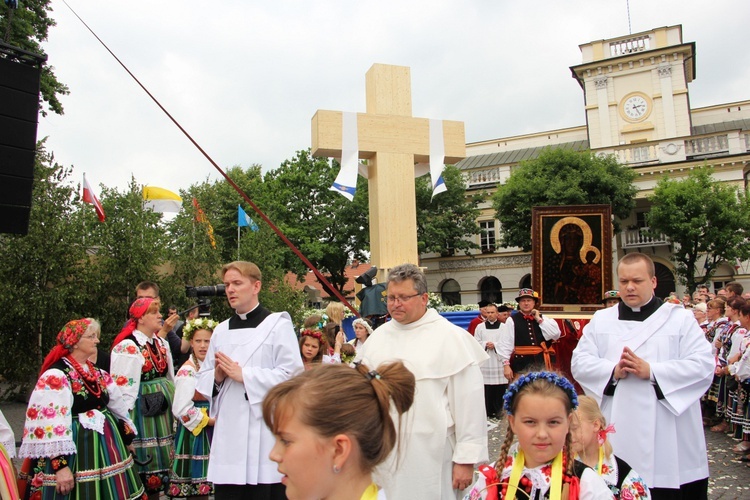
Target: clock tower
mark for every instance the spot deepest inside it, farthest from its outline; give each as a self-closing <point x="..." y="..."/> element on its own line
<point x="636" y="87"/>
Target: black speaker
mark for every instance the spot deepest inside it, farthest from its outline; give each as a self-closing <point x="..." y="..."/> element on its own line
<point x="20" y="73"/>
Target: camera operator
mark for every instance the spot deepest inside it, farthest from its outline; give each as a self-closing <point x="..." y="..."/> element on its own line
<point x="249" y="353"/>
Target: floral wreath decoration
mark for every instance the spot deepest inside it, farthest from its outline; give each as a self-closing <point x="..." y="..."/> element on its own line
<point x="193" y="325"/>
<point x="312" y="333"/>
<point x="550" y="377"/>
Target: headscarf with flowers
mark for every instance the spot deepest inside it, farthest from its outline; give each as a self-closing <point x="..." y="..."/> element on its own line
<point x="68" y="337"/>
<point x="136" y="312"/>
<point x="193" y="325"/>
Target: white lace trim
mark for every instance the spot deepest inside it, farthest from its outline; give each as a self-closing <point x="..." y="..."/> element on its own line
<point x="10" y="448"/>
<point x="46" y="450"/>
<point x="95" y="422"/>
<point x="539" y="480"/>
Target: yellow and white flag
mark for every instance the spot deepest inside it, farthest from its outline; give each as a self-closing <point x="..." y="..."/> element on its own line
<point x="161" y="200"/>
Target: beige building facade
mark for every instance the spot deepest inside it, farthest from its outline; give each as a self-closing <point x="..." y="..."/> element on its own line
<point x="637" y="106"/>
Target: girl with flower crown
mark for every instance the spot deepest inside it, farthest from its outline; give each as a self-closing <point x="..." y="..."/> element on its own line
<point x="589" y="431"/>
<point x="142" y="368"/>
<point x="190" y="408"/>
<point x="77" y="432"/>
<point x="311" y="347"/>
<point x="539" y="406"/>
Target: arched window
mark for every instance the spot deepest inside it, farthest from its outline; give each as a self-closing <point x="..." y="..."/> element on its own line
<point x="450" y="292"/>
<point x="664" y="281"/>
<point x="492" y="290"/>
<point x="525" y="282"/>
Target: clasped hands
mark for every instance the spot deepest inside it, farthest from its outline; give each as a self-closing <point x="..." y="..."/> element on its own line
<point x="226" y="367"/>
<point x="630" y="363"/>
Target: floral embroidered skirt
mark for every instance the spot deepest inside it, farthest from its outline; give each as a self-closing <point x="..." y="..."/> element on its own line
<point x="190" y="466"/>
<point x="102" y="466"/>
<point x="155" y="437"/>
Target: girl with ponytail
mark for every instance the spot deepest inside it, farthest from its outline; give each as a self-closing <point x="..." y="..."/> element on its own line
<point x="320" y="460"/>
<point x="540" y="465"/>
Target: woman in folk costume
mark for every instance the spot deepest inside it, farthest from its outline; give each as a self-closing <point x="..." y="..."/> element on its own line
<point x="362" y="331"/>
<point x="75" y="426"/>
<point x="717" y="324"/>
<point x="589" y="431"/>
<point x="142" y="368"/>
<point x="540" y="465"/>
<point x="728" y="345"/>
<point x="195" y="428"/>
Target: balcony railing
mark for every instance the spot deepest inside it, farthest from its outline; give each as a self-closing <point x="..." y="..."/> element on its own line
<point x="629" y="46"/>
<point x="632" y="238"/>
<point x="481" y="177"/>
<point x="707" y="146"/>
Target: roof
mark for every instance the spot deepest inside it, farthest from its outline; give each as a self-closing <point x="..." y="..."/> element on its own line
<point x="310" y="281"/>
<point x="516" y="155"/>
<point x="711" y="128"/>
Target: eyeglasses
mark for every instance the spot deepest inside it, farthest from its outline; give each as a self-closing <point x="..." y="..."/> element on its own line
<point x="90" y="337"/>
<point x="401" y="300"/>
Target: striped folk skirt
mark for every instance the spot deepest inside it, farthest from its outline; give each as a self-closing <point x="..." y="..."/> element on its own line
<point x="190" y="466"/>
<point x="102" y="466"/>
<point x="155" y="437"/>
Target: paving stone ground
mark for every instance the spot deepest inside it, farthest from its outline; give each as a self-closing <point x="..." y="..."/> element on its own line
<point x="729" y="479"/>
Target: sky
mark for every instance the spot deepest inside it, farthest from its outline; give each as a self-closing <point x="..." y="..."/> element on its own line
<point x="245" y="78"/>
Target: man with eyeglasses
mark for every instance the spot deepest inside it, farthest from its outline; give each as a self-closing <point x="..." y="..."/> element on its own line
<point x="445" y="431"/>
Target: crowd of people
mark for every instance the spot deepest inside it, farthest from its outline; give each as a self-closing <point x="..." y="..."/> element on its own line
<point x="249" y="411"/>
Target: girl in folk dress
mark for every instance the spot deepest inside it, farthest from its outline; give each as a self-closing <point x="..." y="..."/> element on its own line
<point x="142" y="368"/>
<point x="195" y="428"/>
<point x="590" y="444"/>
<point x="77" y="428"/>
<point x="539" y="406"/>
<point x="362" y="331"/>
<point x="320" y="460"/>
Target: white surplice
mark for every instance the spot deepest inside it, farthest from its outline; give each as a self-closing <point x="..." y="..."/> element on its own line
<point x="269" y="354"/>
<point x="661" y="439"/>
<point x="446" y="424"/>
<point x="492" y="370"/>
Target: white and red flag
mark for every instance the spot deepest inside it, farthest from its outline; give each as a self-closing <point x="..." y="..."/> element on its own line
<point x="90" y="197"/>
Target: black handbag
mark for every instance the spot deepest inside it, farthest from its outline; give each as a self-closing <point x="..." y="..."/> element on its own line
<point x="153" y="404"/>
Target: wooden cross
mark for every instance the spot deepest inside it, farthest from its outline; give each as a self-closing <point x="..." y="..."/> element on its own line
<point x="392" y="141"/>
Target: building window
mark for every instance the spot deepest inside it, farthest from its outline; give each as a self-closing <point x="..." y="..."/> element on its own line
<point x="487" y="236"/>
<point x="450" y="292"/>
<point x="491" y="289"/>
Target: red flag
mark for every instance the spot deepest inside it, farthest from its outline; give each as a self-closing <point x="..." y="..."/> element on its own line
<point x="90" y="197"/>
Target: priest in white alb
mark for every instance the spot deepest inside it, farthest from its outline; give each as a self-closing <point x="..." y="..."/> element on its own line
<point x="444" y="433"/>
<point x="648" y="364"/>
<point x="249" y="353"/>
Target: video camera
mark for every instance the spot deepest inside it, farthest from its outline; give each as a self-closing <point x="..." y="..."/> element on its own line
<point x="201" y="293"/>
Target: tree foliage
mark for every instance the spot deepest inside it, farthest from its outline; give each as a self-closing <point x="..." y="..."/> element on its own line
<point x="702" y="217"/>
<point x="328" y="229"/>
<point x="43" y="275"/>
<point x="26" y="28"/>
<point x="446" y="222"/>
<point x="561" y="177"/>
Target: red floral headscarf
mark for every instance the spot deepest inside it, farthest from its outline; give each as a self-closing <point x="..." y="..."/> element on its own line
<point x="136" y="312"/>
<point x="68" y="337"/>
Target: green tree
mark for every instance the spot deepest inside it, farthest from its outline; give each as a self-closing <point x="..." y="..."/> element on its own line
<point x="43" y="275"/>
<point x="26" y="28"/>
<point x="445" y="222"/>
<point x="328" y="229"/>
<point x="702" y="217"/>
<point x="561" y="177"/>
<point x="129" y="247"/>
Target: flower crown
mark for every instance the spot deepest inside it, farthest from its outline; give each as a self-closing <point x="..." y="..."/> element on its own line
<point x="313" y="334"/>
<point x="550" y="377"/>
<point x="192" y="325"/>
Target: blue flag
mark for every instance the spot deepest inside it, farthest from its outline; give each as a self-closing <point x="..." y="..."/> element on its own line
<point x="244" y="220"/>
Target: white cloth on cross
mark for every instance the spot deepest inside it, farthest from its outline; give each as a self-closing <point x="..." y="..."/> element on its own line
<point x="437" y="157"/>
<point x="346" y="180"/>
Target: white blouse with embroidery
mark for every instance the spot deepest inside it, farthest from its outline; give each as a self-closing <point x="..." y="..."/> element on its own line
<point x="183" y="407"/>
<point x="48" y="428"/>
<point x="127" y="362"/>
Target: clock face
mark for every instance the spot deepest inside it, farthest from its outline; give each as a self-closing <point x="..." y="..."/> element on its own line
<point x="635" y="108"/>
